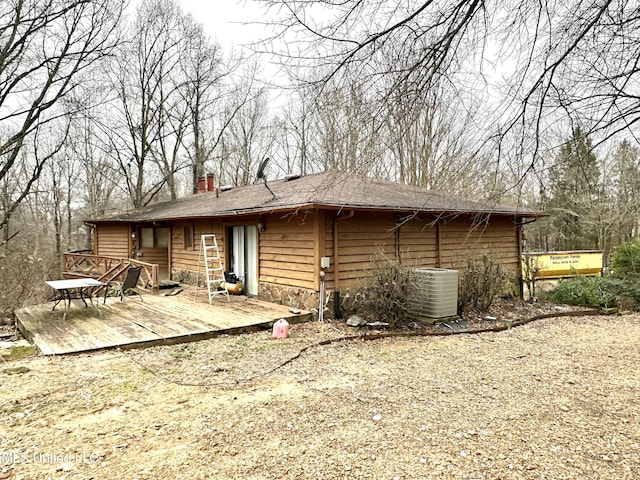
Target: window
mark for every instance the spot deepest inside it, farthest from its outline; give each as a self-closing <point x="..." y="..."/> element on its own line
<point x="146" y="237"/>
<point x="162" y="237"/>
<point x="154" y="237"/>
<point x="188" y="236"/>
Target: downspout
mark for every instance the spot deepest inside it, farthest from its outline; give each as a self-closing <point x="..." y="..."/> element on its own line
<point x="438" y="245"/>
<point x="520" y="223"/>
<point x="336" y="262"/>
<point x="519" y="240"/>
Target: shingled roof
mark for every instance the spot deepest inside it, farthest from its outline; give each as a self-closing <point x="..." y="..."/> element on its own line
<point x="328" y="189"/>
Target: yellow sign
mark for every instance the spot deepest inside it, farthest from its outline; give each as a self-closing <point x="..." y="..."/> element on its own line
<point x="537" y="265"/>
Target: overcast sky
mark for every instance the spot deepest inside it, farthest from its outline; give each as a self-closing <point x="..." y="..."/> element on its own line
<point x="224" y="20"/>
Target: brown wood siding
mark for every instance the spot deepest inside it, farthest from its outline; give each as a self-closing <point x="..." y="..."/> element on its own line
<point x="289" y="245"/>
<point x="360" y="239"/>
<point x="286" y="251"/>
<point x="498" y="238"/>
<point x="156" y="255"/>
<point x="112" y="240"/>
<point x="187" y="258"/>
<point x="418" y="243"/>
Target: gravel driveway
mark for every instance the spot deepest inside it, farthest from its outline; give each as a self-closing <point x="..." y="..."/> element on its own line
<point x="554" y="399"/>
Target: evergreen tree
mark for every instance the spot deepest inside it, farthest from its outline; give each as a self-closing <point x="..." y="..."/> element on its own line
<point x="574" y="191"/>
<point x="626" y="184"/>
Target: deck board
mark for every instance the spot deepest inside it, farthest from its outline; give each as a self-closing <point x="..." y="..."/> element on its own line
<point x="134" y="323"/>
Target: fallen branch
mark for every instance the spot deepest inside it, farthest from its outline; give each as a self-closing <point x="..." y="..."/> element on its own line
<point x="377" y="336"/>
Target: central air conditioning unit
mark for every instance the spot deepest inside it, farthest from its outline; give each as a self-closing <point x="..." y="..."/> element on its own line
<point x="436" y="295"/>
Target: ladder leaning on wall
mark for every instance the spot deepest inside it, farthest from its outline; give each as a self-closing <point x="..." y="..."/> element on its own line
<point x="209" y="258"/>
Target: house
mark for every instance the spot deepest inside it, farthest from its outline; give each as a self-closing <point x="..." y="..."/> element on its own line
<point x="277" y="234"/>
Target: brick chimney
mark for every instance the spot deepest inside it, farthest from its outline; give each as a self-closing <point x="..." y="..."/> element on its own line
<point x="202" y="186"/>
<point x="210" y="182"/>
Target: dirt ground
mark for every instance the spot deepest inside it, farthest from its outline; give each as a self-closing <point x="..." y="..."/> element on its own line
<point x="557" y="398"/>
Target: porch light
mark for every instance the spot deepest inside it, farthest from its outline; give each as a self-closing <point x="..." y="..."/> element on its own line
<point x="260" y="227"/>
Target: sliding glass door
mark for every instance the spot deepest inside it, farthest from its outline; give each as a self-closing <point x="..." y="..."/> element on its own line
<point x="244" y="255"/>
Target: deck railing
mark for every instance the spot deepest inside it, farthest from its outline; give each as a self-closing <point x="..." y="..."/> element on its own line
<point x="107" y="269"/>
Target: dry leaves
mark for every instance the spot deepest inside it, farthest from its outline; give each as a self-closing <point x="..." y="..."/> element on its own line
<point x="557" y="399"/>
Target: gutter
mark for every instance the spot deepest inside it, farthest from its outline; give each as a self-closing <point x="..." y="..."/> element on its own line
<point x="300" y="206"/>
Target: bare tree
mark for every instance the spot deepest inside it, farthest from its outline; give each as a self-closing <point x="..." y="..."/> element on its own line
<point x="10" y="188"/>
<point x="142" y="80"/>
<point x="351" y="39"/>
<point x="45" y="47"/>
<point x="248" y="139"/>
<point x="572" y="61"/>
<point x="41" y="147"/>
<point x="298" y="133"/>
<point x="348" y="132"/>
<point x="97" y="176"/>
<point x="174" y="102"/>
<point x="206" y="92"/>
<point x="432" y="144"/>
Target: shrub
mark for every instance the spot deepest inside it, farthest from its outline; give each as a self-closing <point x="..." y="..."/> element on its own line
<point x="626" y="290"/>
<point x="623" y="280"/>
<point x="480" y="281"/>
<point x="389" y="289"/>
<point x="21" y="282"/>
<point x="621" y="286"/>
<point x="590" y="291"/>
<point x="625" y="260"/>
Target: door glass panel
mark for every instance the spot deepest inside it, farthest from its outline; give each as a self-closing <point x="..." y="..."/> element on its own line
<point x="146" y="237"/>
<point x="243" y="260"/>
<point x="162" y="237"/>
<point x="251" y="259"/>
<point x="237" y="262"/>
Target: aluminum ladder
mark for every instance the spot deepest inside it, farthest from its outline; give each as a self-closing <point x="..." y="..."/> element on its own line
<point x="213" y="266"/>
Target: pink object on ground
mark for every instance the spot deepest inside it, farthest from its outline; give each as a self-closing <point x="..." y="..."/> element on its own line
<point x="280" y="329"/>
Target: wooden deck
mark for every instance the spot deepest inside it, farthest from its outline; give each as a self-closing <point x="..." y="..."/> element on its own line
<point x="156" y="320"/>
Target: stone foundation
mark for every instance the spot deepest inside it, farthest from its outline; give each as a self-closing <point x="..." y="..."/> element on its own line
<point x="301" y="298"/>
<point x="351" y="299"/>
<point x="184" y="276"/>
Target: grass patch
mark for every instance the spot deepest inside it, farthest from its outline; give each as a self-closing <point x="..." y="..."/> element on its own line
<point x="183" y="351"/>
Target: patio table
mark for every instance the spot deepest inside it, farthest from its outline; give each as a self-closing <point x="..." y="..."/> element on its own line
<point x="67" y="290"/>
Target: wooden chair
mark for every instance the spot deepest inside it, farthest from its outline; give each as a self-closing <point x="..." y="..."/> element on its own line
<point x="130" y="282"/>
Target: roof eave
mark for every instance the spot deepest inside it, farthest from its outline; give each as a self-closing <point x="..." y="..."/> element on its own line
<point x="261" y="210"/>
